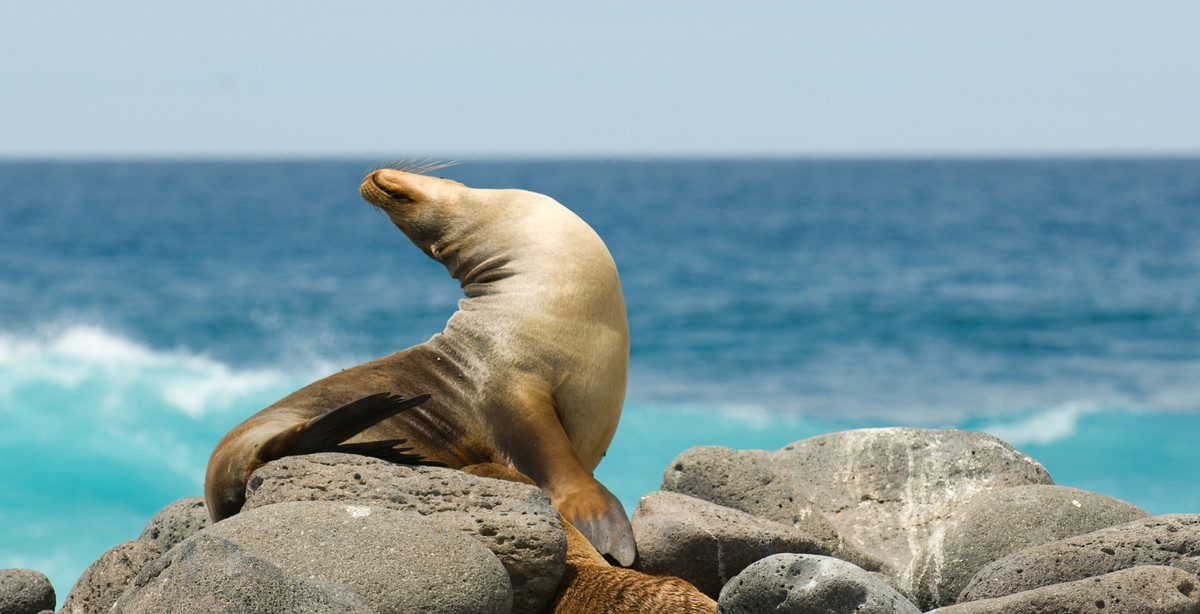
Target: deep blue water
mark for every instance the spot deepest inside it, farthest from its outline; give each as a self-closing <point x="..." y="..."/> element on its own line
<point x="147" y="307"/>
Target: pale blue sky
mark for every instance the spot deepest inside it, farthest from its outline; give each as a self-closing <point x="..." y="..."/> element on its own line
<point x="470" y="78"/>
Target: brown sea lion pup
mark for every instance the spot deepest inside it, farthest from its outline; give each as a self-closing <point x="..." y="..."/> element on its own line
<point x="591" y="586"/>
<point x="529" y="372"/>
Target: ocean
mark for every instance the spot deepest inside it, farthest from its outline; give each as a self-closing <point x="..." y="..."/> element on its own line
<point x="146" y="307"/>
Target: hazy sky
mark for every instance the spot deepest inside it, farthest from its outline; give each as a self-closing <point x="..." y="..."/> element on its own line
<point x="461" y="79"/>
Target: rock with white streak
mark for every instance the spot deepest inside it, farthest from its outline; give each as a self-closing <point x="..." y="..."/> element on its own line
<point x="885" y="492"/>
<point x="1000" y="522"/>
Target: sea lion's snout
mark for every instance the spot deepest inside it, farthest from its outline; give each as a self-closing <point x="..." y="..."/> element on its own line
<point x="386" y="187"/>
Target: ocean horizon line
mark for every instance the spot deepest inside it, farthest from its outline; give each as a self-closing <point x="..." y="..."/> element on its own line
<point x="526" y="157"/>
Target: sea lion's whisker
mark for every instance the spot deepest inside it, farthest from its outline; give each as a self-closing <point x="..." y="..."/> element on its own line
<point x="416" y="166"/>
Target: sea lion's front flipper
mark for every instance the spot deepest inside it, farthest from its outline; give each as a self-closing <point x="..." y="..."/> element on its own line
<point x="537" y="446"/>
<point x="335" y="426"/>
<point x="601" y="518"/>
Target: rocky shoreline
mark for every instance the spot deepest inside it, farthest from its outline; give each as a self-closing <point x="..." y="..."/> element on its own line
<point x="865" y="521"/>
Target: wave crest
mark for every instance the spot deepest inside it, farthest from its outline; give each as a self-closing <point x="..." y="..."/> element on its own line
<point x="1043" y="427"/>
<point x="114" y="372"/>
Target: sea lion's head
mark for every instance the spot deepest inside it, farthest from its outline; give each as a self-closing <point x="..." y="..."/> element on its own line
<point x="426" y="209"/>
<point x="475" y="233"/>
<point x="481" y="234"/>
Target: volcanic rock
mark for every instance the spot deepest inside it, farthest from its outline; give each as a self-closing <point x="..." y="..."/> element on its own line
<point x="105" y="580"/>
<point x="515" y="521"/>
<point x="1172" y="540"/>
<point x="211" y="575"/>
<point x="707" y="544"/>
<point x="1000" y="522"/>
<point x="397" y="561"/>
<point x="810" y="584"/>
<point x="885" y="492"/>
<point x="25" y="591"/>
<point x="1137" y="590"/>
<point x="176" y="522"/>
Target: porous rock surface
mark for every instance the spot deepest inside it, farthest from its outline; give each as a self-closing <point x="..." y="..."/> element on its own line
<point x="809" y="584"/>
<point x="919" y="509"/>
<point x="211" y="575"/>
<point x="884" y="492"/>
<point x="1172" y="540"/>
<point x="1136" y="590"/>
<point x="105" y="580"/>
<point x="516" y="521"/>
<point x="25" y="591"/>
<point x="999" y="522"/>
<point x="707" y="544"/>
<point x="176" y="522"/>
<point x="397" y="561"/>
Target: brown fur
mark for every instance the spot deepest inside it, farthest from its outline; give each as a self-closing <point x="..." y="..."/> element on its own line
<point x="591" y="586"/>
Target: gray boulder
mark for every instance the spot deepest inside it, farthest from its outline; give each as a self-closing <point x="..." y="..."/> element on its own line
<point x="211" y="575"/>
<point x="757" y="482"/>
<point x="103" y="582"/>
<point x="176" y="522"/>
<point x="809" y="584"/>
<point x="396" y="561"/>
<point x="1172" y="540"/>
<point x="884" y="492"/>
<point x="707" y="544"/>
<point x="1137" y="590"/>
<point x="1000" y="522"/>
<point x="515" y="521"/>
<point x="25" y="591"/>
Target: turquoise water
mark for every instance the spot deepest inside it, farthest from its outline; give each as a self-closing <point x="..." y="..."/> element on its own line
<point x="147" y="307"/>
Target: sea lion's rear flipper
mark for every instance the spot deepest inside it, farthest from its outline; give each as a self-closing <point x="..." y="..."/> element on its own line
<point x="326" y="431"/>
<point x="240" y="452"/>
<point x="389" y="450"/>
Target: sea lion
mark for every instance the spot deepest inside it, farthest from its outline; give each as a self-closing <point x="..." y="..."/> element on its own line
<point x="529" y="373"/>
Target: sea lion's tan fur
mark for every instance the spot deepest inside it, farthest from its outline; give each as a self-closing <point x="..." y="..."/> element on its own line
<point x="529" y="372"/>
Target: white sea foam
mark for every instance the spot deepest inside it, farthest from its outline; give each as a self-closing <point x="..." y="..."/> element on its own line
<point x="756" y="417"/>
<point x="114" y="370"/>
<point x="1044" y="427"/>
